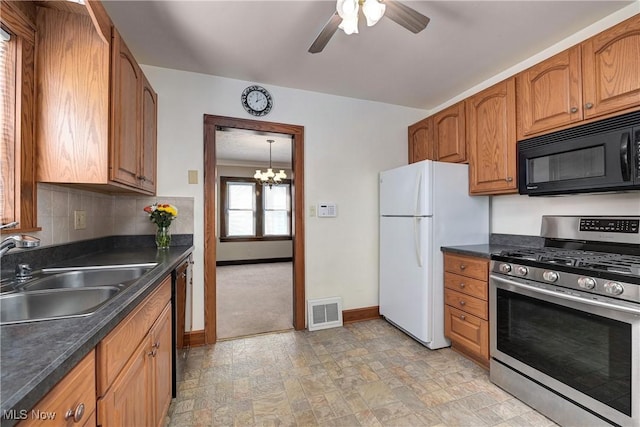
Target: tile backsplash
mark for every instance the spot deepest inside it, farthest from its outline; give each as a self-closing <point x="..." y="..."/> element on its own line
<point x="106" y="215"/>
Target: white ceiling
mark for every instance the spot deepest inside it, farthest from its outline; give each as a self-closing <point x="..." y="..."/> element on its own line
<point x="266" y="42"/>
<point x="236" y="147"/>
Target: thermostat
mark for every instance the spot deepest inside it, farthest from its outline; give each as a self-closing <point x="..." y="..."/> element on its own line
<point x="327" y="210"/>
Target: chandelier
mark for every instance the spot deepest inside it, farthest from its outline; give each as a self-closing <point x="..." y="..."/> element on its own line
<point x="269" y="177"/>
<point x="348" y="10"/>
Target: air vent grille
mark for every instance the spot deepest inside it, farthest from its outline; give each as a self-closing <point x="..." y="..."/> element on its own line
<point x="324" y="313"/>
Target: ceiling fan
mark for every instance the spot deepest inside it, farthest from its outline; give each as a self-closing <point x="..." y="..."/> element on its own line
<point x="346" y="18"/>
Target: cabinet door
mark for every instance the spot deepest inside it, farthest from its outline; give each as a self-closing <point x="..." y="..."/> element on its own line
<point x="421" y="141"/>
<point x="129" y="400"/>
<point x="611" y="69"/>
<point x="126" y="81"/>
<point x="491" y="118"/>
<point x="449" y="134"/>
<point x="149" y="136"/>
<point x="550" y="93"/>
<point x="161" y="365"/>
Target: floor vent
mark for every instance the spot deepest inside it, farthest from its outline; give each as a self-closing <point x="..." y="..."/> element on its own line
<point x="324" y="313"/>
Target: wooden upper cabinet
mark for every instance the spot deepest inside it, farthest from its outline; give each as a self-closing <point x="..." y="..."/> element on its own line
<point x="421" y="141"/>
<point x="611" y="69"/>
<point x="126" y="84"/>
<point x="596" y="78"/>
<point x="92" y="96"/>
<point x="149" y="135"/>
<point x="72" y="126"/>
<point x="550" y="93"/>
<point x="449" y="134"/>
<point x="491" y="135"/>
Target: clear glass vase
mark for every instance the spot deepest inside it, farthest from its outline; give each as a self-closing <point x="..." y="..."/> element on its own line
<point x="163" y="238"/>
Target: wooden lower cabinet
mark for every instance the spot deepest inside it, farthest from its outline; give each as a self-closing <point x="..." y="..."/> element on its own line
<point x="466" y="310"/>
<point x="134" y="386"/>
<point x="71" y="402"/>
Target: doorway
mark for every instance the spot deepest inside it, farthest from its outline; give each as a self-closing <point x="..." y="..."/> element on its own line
<point x="212" y="126"/>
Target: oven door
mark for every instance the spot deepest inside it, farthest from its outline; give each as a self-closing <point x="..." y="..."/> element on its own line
<point x="601" y="162"/>
<point x="583" y="349"/>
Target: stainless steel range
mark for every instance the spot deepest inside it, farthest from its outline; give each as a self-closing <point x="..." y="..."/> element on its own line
<point x="565" y="321"/>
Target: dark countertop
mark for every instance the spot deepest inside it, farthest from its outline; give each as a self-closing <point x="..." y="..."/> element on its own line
<point x="481" y="251"/>
<point x="497" y="243"/>
<point x="35" y="356"/>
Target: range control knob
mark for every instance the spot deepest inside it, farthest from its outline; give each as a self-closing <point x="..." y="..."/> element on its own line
<point x="613" y="288"/>
<point x="505" y="268"/>
<point x="522" y="270"/>
<point x="550" y="276"/>
<point x="587" y="282"/>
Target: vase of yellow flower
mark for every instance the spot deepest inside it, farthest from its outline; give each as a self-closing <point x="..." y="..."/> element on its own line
<point x="162" y="214"/>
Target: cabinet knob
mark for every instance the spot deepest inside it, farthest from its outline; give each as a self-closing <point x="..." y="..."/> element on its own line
<point x="462" y="317"/>
<point x="509" y="179"/>
<point x="588" y="105"/>
<point x="76" y="414"/>
<point x="574" y="109"/>
<point x="153" y="352"/>
<point x="462" y="285"/>
<point x="141" y="178"/>
<point x="462" y="303"/>
<point x="462" y="266"/>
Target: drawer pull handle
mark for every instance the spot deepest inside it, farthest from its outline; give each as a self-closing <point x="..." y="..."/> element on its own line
<point x="462" y="317"/>
<point x="574" y="109"/>
<point x="462" y="285"/>
<point x="75" y="415"/>
<point x="588" y="105"/>
<point x="462" y="303"/>
<point x="156" y="345"/>
<point x="462" y="266"/>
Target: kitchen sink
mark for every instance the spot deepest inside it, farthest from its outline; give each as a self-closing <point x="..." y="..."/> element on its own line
<point x="51" y="304"/>
<point x="57" y="293"/>
<point x="86" y="278"/>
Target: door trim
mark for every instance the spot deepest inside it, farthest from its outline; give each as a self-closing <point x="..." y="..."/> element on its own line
<point x="210" y="190"/>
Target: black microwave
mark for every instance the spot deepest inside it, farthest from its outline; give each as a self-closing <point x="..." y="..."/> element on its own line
<point x="595" y="157"/>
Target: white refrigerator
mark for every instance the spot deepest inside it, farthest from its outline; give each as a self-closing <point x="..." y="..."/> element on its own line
<point x="424" y="206"/>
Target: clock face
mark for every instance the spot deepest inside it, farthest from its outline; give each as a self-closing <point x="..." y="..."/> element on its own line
<point x="257" y="100"/>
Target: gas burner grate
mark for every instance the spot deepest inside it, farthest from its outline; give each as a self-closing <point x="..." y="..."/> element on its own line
<point x="599" y="261"/>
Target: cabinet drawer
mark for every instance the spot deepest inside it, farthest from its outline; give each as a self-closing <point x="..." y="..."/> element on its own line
<point x="469" y="304"/>
<point x="116" y="348"/>
<point x="466" y="285"/>
<point x="465" y="330"/>
<point x="75" y="389"/>
<point x="466" y="266"/>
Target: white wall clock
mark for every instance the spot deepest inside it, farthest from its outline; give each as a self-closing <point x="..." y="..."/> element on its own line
<point x="257" y="100"/>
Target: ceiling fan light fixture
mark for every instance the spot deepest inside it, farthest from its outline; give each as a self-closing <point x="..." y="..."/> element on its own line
<point x="348" y="11"/>
<point x="373" y="10"/>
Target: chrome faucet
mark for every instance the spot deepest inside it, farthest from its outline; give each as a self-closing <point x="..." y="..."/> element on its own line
<point x="21" y="241"/>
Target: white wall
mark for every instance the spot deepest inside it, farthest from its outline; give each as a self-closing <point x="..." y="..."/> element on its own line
<point x="523" y="214"/>
<point x="346" y="143"/>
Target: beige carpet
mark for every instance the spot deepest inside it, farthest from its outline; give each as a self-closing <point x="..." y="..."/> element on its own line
<point x="254" y="298"/>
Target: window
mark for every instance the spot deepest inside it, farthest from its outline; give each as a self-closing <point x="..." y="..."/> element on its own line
<point x="249" y="211"/>
<point x="17" y="122"/>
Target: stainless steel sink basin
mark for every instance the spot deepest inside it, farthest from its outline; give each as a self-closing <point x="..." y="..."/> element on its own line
<point x="53" y="304"/>
<point x="87" y="278"/>
<point x="57" y="293"/>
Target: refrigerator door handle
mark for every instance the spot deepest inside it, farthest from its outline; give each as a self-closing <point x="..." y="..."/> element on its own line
<point x="417" y="188"/>
<point x="416" y="239"/>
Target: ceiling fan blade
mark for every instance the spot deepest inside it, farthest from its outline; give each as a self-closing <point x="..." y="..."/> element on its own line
<point x="409" y="18"/>
<point x="325" y="35"/>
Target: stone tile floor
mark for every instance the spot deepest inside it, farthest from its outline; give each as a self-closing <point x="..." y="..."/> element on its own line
<point x="363" y="374"/>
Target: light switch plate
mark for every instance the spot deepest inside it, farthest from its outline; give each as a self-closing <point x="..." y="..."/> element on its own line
<point x="79" y="220"/>
<point x="193" y="177"/>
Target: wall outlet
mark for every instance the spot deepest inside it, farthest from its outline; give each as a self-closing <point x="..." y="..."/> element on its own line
<point x="79" y="220"/>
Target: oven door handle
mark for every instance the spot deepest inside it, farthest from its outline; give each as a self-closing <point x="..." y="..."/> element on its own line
<point x="561" y="295"/>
